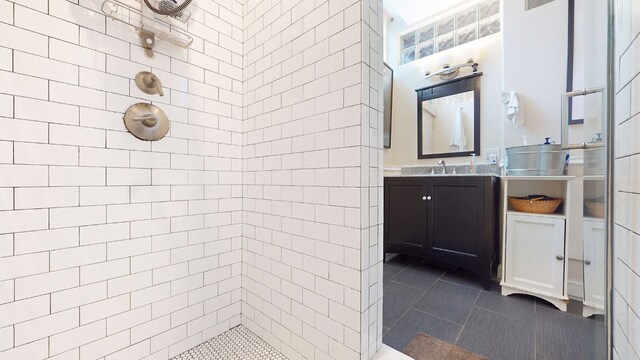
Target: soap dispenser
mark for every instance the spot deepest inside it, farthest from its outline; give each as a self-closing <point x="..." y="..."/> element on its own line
<point x="473" y="164"/>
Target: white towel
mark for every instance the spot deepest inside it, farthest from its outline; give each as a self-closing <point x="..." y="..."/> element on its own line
<point x="458" y="137"/>
<point x="515" y="108"/>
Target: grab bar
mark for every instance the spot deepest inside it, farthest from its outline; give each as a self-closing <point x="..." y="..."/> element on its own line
<point x="566" y="116"/>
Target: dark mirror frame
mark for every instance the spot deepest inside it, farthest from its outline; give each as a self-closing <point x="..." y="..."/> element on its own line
<point x="388" y="114"/>
<point x="571" y="59"/>
<point x="447" y="88"/>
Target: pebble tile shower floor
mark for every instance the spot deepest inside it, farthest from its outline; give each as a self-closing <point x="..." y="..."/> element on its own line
<point x="238" y="343"/>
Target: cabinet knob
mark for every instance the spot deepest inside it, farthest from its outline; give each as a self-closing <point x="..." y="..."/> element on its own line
<point x="559" y="257"/>
<point x="428" y="197"/>
<point x="424" y="198"/>
<point x="587" y="262"/>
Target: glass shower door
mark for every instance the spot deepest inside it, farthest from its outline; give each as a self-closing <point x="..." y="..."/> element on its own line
<point x="586" y="102"/>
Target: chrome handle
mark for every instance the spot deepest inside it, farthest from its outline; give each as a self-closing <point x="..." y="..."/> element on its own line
<point x="149" y="120"/>
<point x="587" y="262"/>
<point x="153" y="82"/>
<point x="566" y="115"/>
<point x="149" y="83"/>
<point x="559" y="257"/>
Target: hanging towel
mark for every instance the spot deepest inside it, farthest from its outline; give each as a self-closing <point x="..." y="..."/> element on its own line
<point x="458" y="137"/>
<point x="515" y="108"/>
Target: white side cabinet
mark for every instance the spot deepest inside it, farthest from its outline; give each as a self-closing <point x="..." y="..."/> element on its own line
<point x="594" y="267"/>
<point x="535" y="254"/>
<point x="534" y="246"/>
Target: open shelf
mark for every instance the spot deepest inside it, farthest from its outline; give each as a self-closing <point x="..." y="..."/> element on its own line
<point x="538" y="178"/>
<point x="550" y="216"/>
<point x="594" y="177"/>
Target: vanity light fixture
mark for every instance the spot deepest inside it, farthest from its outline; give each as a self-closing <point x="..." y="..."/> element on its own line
<point x="451" y="72"/>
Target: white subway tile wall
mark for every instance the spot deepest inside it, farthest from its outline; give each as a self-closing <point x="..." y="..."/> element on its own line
<point x="264" y="199"/>
<point x="112" y="247"/>
<point x="312" y="189"/>
<point x="626" y="330"/>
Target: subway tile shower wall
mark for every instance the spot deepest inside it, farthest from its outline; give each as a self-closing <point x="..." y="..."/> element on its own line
<point x="312" y="252"/>
<point x="262" y="206"/>
<point x="626" y="302"/>
<point x="112" y="247"/>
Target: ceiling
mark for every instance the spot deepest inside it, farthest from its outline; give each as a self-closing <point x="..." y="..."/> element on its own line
<point x="412" y="11"/>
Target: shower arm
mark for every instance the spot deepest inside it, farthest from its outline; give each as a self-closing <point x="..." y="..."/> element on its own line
<point x="448" y="70"/>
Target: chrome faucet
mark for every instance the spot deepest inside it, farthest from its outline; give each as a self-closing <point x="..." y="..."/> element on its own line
<point x="444" y="168"/>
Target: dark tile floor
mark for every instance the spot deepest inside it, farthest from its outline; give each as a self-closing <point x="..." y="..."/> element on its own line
<point x="453" y="307"/>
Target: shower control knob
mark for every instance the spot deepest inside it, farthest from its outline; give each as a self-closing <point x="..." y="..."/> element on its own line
<point x="149" y="83"/>
<point x="587" y="262"/>
<point x="559" y="257"/>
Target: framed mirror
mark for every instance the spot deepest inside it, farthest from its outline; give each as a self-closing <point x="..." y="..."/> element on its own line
<point x="449" y="118"/>
<point x="387" y="75"/>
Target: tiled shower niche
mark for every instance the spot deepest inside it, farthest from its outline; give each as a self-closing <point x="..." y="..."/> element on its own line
<point x="451" y="30"/>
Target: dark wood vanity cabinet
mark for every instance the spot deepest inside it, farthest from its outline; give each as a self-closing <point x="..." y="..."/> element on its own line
<point x="448" y="220"/>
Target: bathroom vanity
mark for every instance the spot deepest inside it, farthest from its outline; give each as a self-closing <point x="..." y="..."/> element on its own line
<point x="449" y="220"/>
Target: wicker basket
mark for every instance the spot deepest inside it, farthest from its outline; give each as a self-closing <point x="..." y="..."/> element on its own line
<point x="536" y="206"/>
<point x="596" y="208"/>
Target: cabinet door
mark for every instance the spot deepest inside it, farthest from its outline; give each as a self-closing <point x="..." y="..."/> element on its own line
<point x="405" y="214"/>
<point x="535" y="253"/>
<point x="594" y="263"/>
<point x="455" y="217"/>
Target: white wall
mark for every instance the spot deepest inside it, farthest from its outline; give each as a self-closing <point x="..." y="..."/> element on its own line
<point x="112" y="247"/>
<point x="626" y="332"/>
<point x="535" y="66"/>
<point x="528" y="56"/>
<point x="312" y="279"/>
<point x="409" y="77"/>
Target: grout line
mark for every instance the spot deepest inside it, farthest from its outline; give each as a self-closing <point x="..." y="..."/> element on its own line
<point x="438" y="317"/>
<point x="468" y="316"/>
<point x="535" y="329"/>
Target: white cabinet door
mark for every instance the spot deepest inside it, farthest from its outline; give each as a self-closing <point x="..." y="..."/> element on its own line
<point x="594" y="263"/>
<point x="535" y="253"/>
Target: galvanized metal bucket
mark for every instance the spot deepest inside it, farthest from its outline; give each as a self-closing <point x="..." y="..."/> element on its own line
<point x="536" y="160"/>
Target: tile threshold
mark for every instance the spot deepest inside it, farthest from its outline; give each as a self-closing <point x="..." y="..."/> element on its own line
<point x="389" y="353"/>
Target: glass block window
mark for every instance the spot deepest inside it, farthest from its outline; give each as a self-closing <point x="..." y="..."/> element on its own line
<point x="489" y="8"/>
<point x="426" y="49"/>
<point x="408" y="40"/>
<point x="466" y="34"/>
<point x="426" y="34"/>
<point x="462" y="27"/>
<point x="409" y="55"/>
<point x="446" y="25"/>
<point x="466" y="17"/>
<point x="532" y="4"/>
<point x="489" y="26"/>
